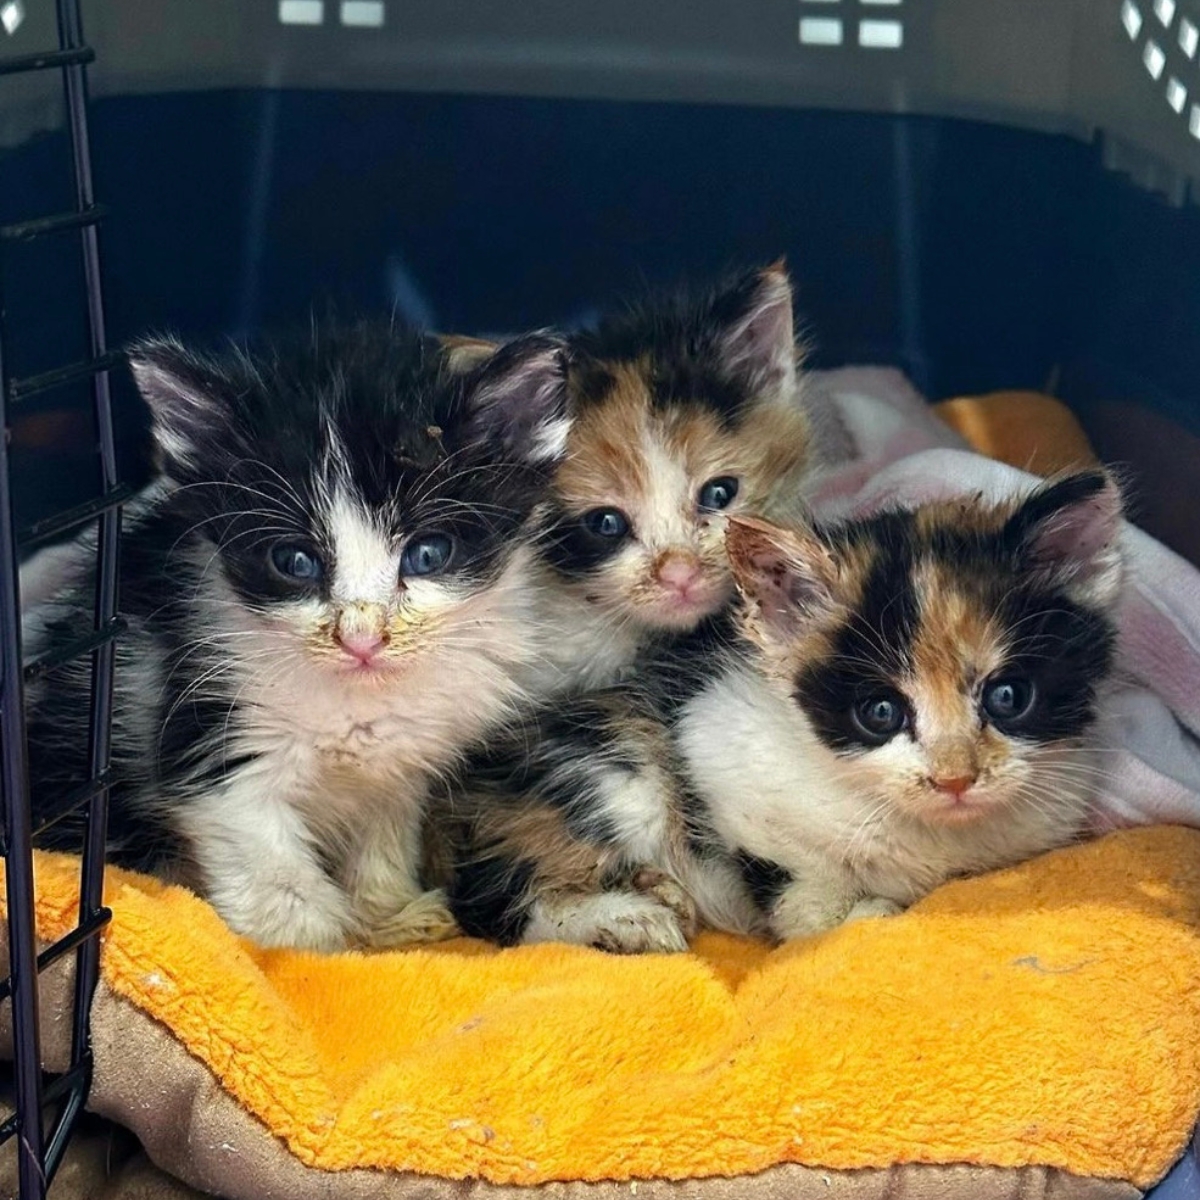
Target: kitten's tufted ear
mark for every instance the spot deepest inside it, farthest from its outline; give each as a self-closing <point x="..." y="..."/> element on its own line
<point x="186" y="396"/>
<point x="786" y="575"/>
<point x="517" y="400"/>
<point x="1069" y="530"/>
<point x="757" y="342"/>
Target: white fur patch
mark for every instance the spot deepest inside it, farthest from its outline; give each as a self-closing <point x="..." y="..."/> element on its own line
<point x="831" y="819"/>
<point x="620" y="922"/>
<point x="550" y="440"/>
<point x="366" y="566"/>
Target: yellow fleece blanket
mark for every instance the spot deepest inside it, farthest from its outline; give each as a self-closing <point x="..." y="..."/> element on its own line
<point x="1048" y="1014"/>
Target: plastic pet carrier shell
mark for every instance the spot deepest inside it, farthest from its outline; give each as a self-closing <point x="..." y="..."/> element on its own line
<point x="987" y="193"/>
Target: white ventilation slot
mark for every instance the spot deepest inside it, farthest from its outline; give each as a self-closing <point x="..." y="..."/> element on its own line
<point x="889" y="3"/>
<point x="1164" y="10"/>
<point x="820" y="31"/>
<point x="1154" y="58"/>
<point x="880" y="35"/>
<point x="301" y="12"/>
<point x="1176" y="94"/>
<point x="362" y="14"/>
<point x="1194" y="122"/>
<point x="1131" y="18"/>
<point x="1189" y="37"/>
<point x="12" y="14"/>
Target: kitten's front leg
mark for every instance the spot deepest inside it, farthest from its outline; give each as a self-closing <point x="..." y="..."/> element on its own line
<point x="259" y="870"/>
<point x="821" y="895"/>
<point x="392" y="907"/>
<point x="621" y="922"/>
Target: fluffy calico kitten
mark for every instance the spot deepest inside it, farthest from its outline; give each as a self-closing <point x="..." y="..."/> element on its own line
<point x="684" y="412"/>
<point x="328" y="596"/>
<point x="899" y="700"/>
<point x="914" y="693"/>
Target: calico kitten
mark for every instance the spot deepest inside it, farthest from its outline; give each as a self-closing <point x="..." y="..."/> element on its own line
<point x="580" y="826"/>
<point x="915" y="693"/>
<point x="684" y="411"/>
<point x="328" y="595"/>
<point x="899" y="700"/>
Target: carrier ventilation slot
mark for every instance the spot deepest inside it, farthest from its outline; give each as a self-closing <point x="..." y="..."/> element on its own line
<point x="871" y="33"/>
<point x="1156" y="57"/>
<point x="354" y="14"/>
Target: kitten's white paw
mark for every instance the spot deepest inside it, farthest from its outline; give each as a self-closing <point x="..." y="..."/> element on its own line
<point x="423" y="920"/>
<point x="650" y="881"/>
<point x="873" y="906"/>
<point x="301" y="914"/>
<point x="803" y="910"/>
<point x="619" y="922"/>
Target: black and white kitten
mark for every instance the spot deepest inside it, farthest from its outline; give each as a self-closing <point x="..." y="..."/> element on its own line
<point x="899" y="700"/>
<point x="329" y="596"/>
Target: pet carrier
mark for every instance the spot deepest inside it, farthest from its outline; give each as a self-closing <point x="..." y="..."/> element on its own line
<point x="988" y="194"/>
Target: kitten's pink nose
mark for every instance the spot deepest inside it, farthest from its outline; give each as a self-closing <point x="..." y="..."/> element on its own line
<point x="955" y="785"/>
<point x="678" y="571"/>
<point x="363" y="645"/>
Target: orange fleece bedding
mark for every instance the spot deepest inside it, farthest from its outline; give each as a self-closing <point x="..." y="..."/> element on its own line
<point x="1048" y="1014"/>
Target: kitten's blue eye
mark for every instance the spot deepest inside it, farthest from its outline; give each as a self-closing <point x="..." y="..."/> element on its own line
<point x="1008" y="700"/>
<point x="880" y="717"/>
<point x="427" y="555"/>
<point x="294" y="562"/>
<point x="606" y="522"/>
<point x="718" y="493"/>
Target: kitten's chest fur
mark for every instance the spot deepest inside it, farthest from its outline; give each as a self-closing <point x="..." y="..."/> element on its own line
<point x="580" y="645"/>
<point x="774" y="793"/>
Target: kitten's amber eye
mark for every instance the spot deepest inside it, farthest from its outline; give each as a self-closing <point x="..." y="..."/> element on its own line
<point x="718" y="493"/>
<point x="1008" y="700"/>
<point x="296" y="563"/>
<point x="606" y="522"/>
<point x="428" y="554"/>
<point x="880" y="717"/>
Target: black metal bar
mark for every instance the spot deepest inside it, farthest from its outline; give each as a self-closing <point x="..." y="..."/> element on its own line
<point x="66" y="944"/>
<point x="45" y="59"/>
<point x="55" y="1089"/>
<point x="31" y="385"/>
<point x="91" y="891"/>
<point x="72" y="518"/>
<point x="14" y="784"/>
<point x="71" y="941"/>
<point x="56" y="1143"/>
<point x="47" y="662"/>
<point x="53" y="811"/>
<point x="25" y="231"/>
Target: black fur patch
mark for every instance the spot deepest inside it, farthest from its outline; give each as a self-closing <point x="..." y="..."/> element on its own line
<point x="680" y="341"/>
<point x="766" y="881"/>
<point x="875" y="645"/>
<point x="488" y="897"/>
<point x="1063" y="648"/>
<point x="571" y="548"/>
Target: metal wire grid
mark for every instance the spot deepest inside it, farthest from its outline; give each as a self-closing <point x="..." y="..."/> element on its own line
<point x="46" y="1109"/>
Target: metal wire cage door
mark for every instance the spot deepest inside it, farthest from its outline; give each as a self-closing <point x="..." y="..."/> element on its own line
<point x="46" y="1108"/>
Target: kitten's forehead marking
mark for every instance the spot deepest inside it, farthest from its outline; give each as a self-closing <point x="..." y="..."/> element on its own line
<point x="365" y="564"/>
